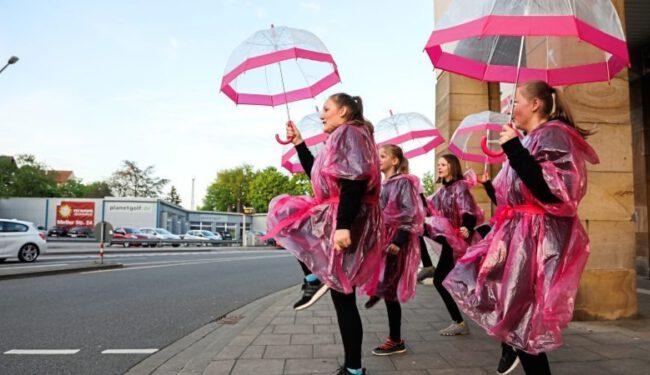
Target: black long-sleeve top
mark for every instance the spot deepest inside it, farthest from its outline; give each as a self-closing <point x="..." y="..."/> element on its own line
<point x="529" y="170"/>
<point x="489" y="189"/>
<point x="351" y="190"/>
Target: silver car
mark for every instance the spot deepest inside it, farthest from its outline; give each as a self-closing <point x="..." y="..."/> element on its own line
<point x="162" y="234"/>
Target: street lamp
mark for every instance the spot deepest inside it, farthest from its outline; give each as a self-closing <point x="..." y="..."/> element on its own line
<point x="12" y="60"/>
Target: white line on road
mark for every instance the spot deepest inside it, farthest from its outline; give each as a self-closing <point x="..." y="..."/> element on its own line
<point x="129" y="351"/>
<point x="42" y="265"/>
<point x="43" y="352"/>
<point x="183" y="263"/>
<point x="643" y="291"/>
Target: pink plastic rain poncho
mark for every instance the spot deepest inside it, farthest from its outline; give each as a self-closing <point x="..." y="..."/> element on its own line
<point x="520" y="282"/>
<point x="402" y="209"/>
<point x="305" y="226"/>
<point x="448" y="205"/>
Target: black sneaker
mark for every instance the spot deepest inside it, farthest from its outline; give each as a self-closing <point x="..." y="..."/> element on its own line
<point x="344" y="371"/>
<point x="371" y="302"/>
<point x="310" y="294"/>
<point x="509" y="360"/>
<point x="390" y="347"/>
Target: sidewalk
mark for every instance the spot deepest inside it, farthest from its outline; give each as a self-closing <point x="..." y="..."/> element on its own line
<point x="268" y="337"/>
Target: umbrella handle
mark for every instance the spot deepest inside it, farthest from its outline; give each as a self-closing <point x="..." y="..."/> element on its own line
<point x="281" y="141"/>
<point x="289" y="139"/>
<point x="486" y="149"/>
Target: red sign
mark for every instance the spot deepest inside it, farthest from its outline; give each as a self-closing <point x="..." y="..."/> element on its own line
<point x="75" y="214"/>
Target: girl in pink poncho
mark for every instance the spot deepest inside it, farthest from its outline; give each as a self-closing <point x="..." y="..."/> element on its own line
<point x="452" y="225"/>
<point x="403" y="214"/>
<point x="519" y="284"/>
<point x="335" y="234"/>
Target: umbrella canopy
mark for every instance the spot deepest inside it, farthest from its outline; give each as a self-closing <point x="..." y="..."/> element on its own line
<point x="466" y="141"/>
<point x="413" y="132"/>
<point x="277" y="66"/>
<point x="311" y="130"/>
<point x="561" y="42"/>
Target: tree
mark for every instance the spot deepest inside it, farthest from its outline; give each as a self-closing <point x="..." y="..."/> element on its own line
<point x="173" y="196"/>
<point x="429" y="183"/>
<point x="300" y="184"/>
<point x="73" y="188"/>
<point x="98" y="189"/>
<point x="31" y="179"/>
<point x="131" y="181"/>
<point x="229" y="190"/>
<point x="8" y="169"/>
<point x="267" y="184"/>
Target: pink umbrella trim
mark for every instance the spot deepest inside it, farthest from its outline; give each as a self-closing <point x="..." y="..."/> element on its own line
<point x="281" y="98"/>
<point x="528" y="26"/>
<point x="476" y="128"/>
<point x="296" y="167"/>
<point x="478" y="158"/>
<point x="415" y="134"/>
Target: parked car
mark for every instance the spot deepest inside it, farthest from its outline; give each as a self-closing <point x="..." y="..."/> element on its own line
<point x="258" y="237"/>
<point x="20" y="239"/>
<point x="80" y="232"/>
<point x="203" y="235"/>
<point x="134" y="234"/>
<point x="225" y="235"/>
<point x="161" y="235"/>
<point x="58" y="231"/>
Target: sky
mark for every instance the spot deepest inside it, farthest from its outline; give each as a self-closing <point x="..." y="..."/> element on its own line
<point x="102" y="82"/>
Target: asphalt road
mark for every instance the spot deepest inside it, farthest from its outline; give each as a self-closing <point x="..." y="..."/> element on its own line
<point x="155" y="300"/>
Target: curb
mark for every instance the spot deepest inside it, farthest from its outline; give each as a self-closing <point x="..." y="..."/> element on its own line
<point x="195" y="350"/>
<point x="17" y="274"/>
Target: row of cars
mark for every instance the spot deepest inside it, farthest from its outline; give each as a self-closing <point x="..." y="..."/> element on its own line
<point x="152" y="237"/>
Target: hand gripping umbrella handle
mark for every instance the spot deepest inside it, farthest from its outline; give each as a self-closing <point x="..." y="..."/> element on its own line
<point x="486" y="149"/>
<point x="288" y="140"/>
<point x="281" y="141"/>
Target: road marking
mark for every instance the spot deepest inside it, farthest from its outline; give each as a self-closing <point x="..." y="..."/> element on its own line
<point x="643" y="291"/>
<point x="42" y="352"/>
<point x="183" y="263"/>
<point x="129" y="351"/>
<point x="42" y="265"/>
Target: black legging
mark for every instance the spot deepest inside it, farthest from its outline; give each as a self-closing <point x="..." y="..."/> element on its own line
<point x="445" y="265"/>
<point x="532" y="364"/>
<point x="350" y="326"/>
<point x="424" y="254"/>
<point x="305" y="270"/>
<point x="394" y="311"/>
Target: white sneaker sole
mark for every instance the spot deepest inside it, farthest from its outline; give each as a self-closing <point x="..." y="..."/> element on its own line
<point x="511" y="369"/>
<point x="319" y="293"/>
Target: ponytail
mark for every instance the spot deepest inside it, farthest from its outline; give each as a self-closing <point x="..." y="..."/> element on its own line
<point x="354" y="105"/>
<point x="554" y="105"/>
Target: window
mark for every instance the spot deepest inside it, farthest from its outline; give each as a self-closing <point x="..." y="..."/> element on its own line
<point x="8" y="226"/>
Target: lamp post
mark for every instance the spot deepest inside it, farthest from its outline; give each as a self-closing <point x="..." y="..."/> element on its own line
<point x="12" y="60"/>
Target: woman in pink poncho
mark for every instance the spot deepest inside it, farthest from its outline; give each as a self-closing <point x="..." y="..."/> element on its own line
<point x="519" y="284"/>
<point x="335" y="234"/>
<point x="455" y="215"/>
<point x="403" y="214"/>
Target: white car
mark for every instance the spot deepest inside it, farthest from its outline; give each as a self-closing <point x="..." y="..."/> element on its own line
<point x="161" y="234"/>
<point x="20" y="239"/>
<point x="203" y="235"/>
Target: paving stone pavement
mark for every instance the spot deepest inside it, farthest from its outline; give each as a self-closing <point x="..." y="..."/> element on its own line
<point x="268" y="337"/>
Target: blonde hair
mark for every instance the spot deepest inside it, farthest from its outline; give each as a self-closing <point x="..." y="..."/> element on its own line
<point x="396" y="152"/>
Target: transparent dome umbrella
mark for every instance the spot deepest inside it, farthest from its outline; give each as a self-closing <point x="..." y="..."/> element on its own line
<point x="278" y="66"/>
<point x="561" y="42"/>
<point x="311" y="130"/>
<point x="466" y="142"/>
<point x="413" y="132"/>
